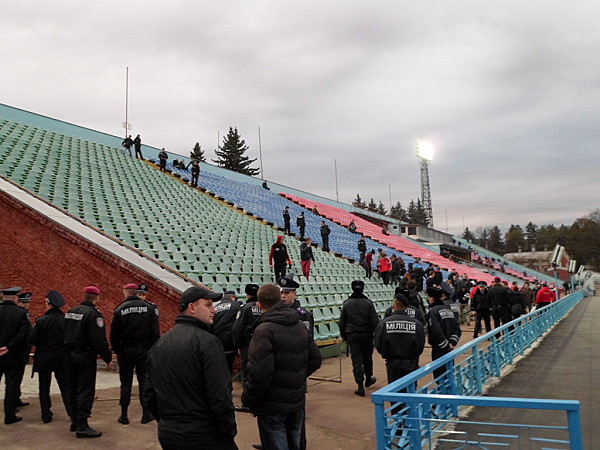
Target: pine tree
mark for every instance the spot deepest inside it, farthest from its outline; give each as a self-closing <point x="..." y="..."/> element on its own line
<point x="495" y="243"/>
<point x="398" y="212"/>
<point x="468" y="236"/>
<point x="231" y="156"/>
<point x="381" y="209"/>
<point x="197" y="153"/>
<point x="514" y="239"/>
<point x="372" y="206"/>
<point x="531" y="234"/>
<point x="359" y="203"/>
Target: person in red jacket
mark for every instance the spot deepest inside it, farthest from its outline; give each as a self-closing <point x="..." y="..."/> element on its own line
<point x="544" y="297"/>
<point x="385" y="268"/>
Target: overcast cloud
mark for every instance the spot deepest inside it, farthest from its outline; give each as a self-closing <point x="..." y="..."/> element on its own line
<point x="508" y="92"/>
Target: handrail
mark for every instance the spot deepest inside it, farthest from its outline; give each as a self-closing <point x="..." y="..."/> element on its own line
<point x="469" y="371"/>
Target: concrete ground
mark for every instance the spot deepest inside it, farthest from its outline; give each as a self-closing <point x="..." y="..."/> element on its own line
<point x="336" y="418"/>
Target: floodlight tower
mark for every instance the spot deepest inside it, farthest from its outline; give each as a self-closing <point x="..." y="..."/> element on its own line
<point x="425" y="155"/>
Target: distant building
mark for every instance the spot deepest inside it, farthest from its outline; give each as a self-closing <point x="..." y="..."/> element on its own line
<point x="541" y="261"/>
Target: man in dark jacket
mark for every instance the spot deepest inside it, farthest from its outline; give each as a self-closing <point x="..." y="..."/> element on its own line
<point x="444" y="329"/>
<point x="85" y="339"/>
<point x="188" y="388"/>
<point x="286" y="220"/>
<point x="301" y="223"/>
<point x="417" y="272"/>
<point x="195" y="172"/>
<point x="362" y="250"/>
<point x="128" y="143"/>
<point x="134" y="329"/>
<point x="282" y="355"/>
<point x="279" y="257"/>
<point x="480" y="303"/>
<point x="358" y="321"/>
<point x="500" y="303"/>
<point x="50" y="354"/>
<point x="400" y="339"/>
<point x="325" y="231"/>
<point x="137" y="143"/>
<point x="162" y="160"/>
<point x="306" y="257"/>
<point x="14" y="332"/>
<point x="288" y="294"/>
<point x="225" y="313"/>
<point x="411" y="311"/>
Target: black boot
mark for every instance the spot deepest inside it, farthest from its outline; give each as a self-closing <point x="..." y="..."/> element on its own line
<point x="85" y="431"/>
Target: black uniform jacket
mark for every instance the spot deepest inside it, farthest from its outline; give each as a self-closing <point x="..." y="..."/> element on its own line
<point x="480" y="301"/>
<point x="281" y="356"/>
<point x="400" y="336"/>
<point x="48" y="336"/>
<point x="245" y="322"/>
<point x="85" y="331"/>
<point x="358" y="315"/>
<point x="444" y="329"/>
<point x="306" y="317"/>
<point x="410" y="311"/>
<point x="498" y="295"/>
<point x="135" y="327"/>
<point x="14" y="333"/>
<point x="188" y="387"/>
<point x="225" y="313"/>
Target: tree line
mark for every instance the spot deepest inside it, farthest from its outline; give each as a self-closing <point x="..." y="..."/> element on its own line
<point x="581" y="239"/>
<point x="414" y="214"/>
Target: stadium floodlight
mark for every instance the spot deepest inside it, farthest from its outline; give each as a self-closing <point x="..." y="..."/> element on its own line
<point x="424" y="150"/>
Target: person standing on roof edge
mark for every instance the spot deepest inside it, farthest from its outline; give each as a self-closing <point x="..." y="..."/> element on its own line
<point x="358" y="321"/>
<point x="134" y="329"/>
<point x="279" y="257"/>
<point x="137" y="143"/>
<point x="301" y="223"/>
<point x="325" y="231"/>
<point x="195" y="172"/>
<point x="286" y="220"/>
<point x="306" y="257"/>
<point x="162" y="160"/>
<point x="128" y="143"/>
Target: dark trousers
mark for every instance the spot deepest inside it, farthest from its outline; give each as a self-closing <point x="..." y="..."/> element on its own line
<point x="195" y="177"/>
<point x="279" y="269"/>
<point x="361" y="260"/>
<point x="325" y="243"/>
<point x="436" y="353"/>
<point x="44" y="379"/>
<point x="501" y="315"/>
<point x="162" y="165"/>
<point x="286" y="227"/>
<point x="138" y="151"/>
<point x="396" y="369"/>
<point x="230" y="358"/>
<point x="126" y="367"/>
<point x="11" y="393"/>
<point x="479" y="316"/>
<point x="368" y="270"/>
<point x="82" y="386"/>
<point x="203" y="444"/>
<point x="361" y="352"/>
<point x="385" y="276"/>
<point x="302" y="233"/>
<point x="281" y="431"/>
<point x="20" y="376"/>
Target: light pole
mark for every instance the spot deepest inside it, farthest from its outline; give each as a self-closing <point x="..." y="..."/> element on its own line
<point x="425" y="155"/>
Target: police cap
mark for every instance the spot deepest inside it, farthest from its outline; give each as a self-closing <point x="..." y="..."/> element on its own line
<point x="55" y="299"/>
<point x="287" y="283"/>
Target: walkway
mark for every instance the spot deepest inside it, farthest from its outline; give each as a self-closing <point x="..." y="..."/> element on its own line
<point x="565" y="366"/>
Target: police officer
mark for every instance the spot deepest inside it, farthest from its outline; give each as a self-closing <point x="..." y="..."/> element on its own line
<point x="288" y="295"/>
<point x="226" y="312"/>
<point x="325" y="231"/>
<point x="195" y="172"/>
<point x="243" y="329"/>
<point x="480" y="303"/>
<point x="162" y="160"/>
<point x="301" y="223"/>
<point x="358" y="321"/>
<point x="23" y="301"/>
<point x="137" y="143"/>
<point x="286" y="220"/>
<point x="85" y="338"/>
<point x="362" y="250"/>
<point x="411" y="311"/>
<point x="500" y="303"/>
<point x="444" y="329"/>
<point x="400" y="339"/>
<point x="50" y="354"/>
<point x="14" y="332"/>
<point x="134" y="329"/>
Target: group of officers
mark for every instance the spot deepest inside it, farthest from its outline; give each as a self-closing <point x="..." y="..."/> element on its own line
<point x="68" y="346"/>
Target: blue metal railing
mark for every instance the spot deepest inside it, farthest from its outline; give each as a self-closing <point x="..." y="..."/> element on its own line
<point x="413" y="412"/>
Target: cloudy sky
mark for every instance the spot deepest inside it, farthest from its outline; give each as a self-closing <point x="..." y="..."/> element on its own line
<point x="508" y="92"/>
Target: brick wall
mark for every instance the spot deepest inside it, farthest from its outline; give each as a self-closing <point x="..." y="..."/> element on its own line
<point x="41" y="255"/>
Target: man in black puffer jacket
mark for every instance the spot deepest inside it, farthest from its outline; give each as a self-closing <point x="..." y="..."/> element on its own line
<point x="281" y="356"/>
<point x="188" y="387"/>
